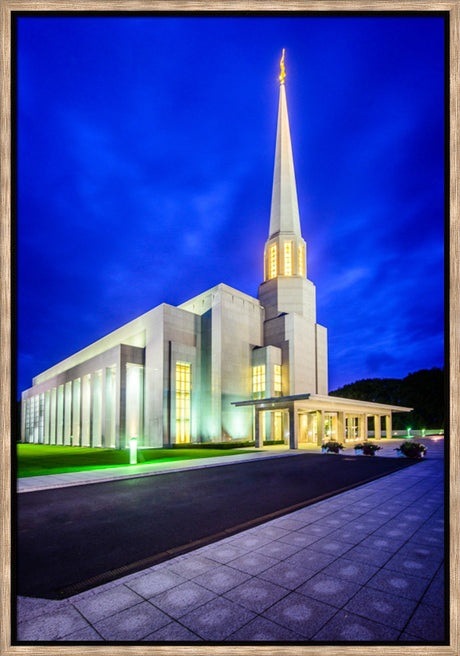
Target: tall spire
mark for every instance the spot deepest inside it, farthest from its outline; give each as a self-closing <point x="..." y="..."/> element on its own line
<point x="284" y="215"/>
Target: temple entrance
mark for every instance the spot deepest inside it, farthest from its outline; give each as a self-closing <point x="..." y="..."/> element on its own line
<point x="312" y="430"/>
<point x="305" y="419"/>
<point x="274" y="427"/>
<point x="308" y="427"/>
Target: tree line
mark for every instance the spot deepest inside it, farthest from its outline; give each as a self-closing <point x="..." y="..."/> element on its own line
<point x="422" y="390"/>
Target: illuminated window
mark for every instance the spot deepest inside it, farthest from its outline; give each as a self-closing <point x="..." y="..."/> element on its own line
<point x="86" y="410"/>
<point x="47" y="418"/>
<point x="278" y="426"/>
<point x="97" y="408"/>
<point x="26" y="407"/>
<point x="76" y="409"/>
<point x="288" y="258"/>
<point x="301" y="261"/>
<point x="32" y="418"/>
<point x="134" y="400"/>
<point x="277" y="379"/>
<point x="67" y="412"/>
<point x="41" y="419"/>
<point x="258" y="381"/>
<point x="183" y="396"/>
<point x="273" y="268"/>
<point x="53" y="406"/>
<point x="60" y="415"/>
<point x="111" y="406"/>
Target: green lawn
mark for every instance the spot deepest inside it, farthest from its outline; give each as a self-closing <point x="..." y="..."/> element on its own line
<point x="41" y="459"/>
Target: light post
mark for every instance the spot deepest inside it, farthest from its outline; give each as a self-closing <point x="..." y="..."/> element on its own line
<point x="133" y="451"/>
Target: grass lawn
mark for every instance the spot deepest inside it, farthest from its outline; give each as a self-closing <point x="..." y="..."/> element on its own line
<point x="41" y="459"/>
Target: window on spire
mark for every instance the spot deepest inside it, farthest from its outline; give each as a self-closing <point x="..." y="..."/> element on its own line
<point x="272" y="262"/>
<point x="301" y="260"/>
<point x="288" y="258"/>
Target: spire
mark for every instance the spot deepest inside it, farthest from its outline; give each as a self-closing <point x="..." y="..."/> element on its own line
<point x="284" y="215"/>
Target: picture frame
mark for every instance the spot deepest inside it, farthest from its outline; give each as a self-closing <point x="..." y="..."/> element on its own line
<point x="8" y="9"/>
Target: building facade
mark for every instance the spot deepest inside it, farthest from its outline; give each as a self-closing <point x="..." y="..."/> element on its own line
<point x="221" y="366"/>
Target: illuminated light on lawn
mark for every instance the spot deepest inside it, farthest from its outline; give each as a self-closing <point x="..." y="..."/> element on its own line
<point x="408" y="432"/>
<point x="133" y="451"/>
<point x="423" y="432"/>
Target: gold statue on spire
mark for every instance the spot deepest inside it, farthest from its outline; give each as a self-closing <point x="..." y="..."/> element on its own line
<point x="283" y="70"/>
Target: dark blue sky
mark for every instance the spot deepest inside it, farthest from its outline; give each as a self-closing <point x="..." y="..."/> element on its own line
<point x="145" y="163"/>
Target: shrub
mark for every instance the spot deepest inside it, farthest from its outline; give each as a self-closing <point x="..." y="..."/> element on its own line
<point x="412" y="449"/>
<point x="368" y="448"/>
<point x="214" y="445"/>
<point x="332" y="447"/>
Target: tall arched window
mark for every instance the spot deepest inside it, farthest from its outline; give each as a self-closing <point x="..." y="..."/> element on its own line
<point x="183" y="398"/>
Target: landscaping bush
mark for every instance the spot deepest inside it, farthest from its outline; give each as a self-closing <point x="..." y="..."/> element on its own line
<point x="214" y="445"/>
<point x="332" y="447"/>
<point x="412" y="449"/>
<point x="367" y="448"/>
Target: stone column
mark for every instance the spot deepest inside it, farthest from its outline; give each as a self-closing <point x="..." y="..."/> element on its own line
<point x="377" y="427"/>
<point x="24" y="403"/>
<point x="256" y="427"/>
<point x="269" y="418"/>
<point x="364" y="431"/>
<point x="121" y="403"/>
<point x="70" y="422"/>
<point x="388" y="425"/>
<point x="293" y="428"/>
<point x="77" y="385"/>
<point x="341" y="427"/>
<point x="60" y="410"/>
<point x="91" y="412"/>
<point x="321" y="427"/>
<point x="103" y="406"/>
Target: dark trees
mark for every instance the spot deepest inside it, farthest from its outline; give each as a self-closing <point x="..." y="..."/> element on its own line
<point x="422" y="390"/>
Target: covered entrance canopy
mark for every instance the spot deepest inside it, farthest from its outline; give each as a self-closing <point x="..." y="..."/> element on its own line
<point x="313" y="418"/>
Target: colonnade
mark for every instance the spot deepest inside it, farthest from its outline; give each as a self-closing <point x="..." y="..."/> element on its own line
<point x="318" y="426"/>
<point x="97" y="409"/>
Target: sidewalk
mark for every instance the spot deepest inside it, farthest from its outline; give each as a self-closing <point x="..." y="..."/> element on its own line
<point x="365" y="565"/>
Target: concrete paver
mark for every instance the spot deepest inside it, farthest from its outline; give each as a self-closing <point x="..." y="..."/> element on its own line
<point x="217" y="619"/>
<point x="133" y="623"/>
<point x="364" y="565"/>
<point x="107" y="602"/>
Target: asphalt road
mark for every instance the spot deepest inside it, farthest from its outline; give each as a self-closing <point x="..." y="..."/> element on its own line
<point x="71" y="539"/>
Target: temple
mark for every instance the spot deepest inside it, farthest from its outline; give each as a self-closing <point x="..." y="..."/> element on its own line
<point x="222" y="366"/>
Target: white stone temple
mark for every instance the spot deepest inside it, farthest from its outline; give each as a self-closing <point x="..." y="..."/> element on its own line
<point x="221" y="366"/>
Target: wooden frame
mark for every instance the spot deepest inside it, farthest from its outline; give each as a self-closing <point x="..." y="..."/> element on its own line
<point x="9" y="6"/>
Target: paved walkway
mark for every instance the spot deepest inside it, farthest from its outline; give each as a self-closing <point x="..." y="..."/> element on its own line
<point x="365" y="565"/>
